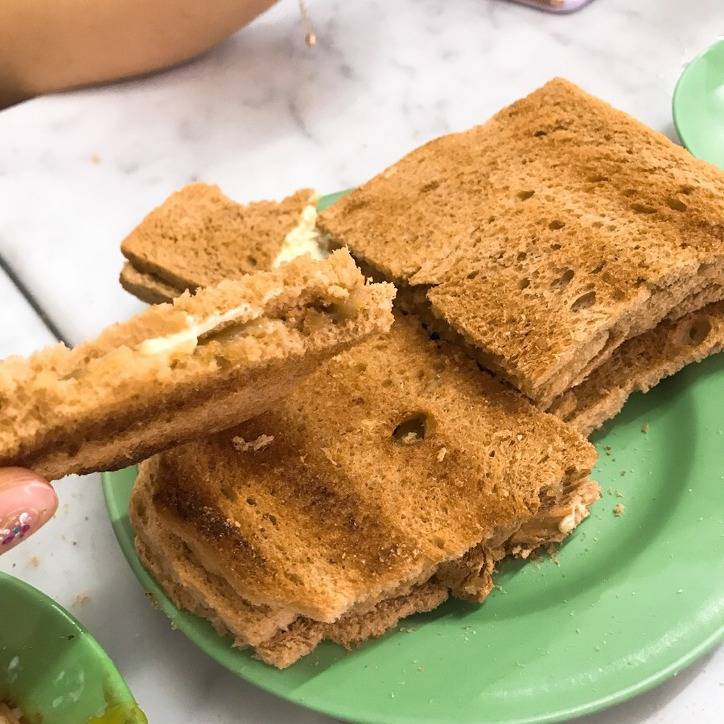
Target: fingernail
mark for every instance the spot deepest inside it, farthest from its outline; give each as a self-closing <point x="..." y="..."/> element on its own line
<point x="25" y="505"/>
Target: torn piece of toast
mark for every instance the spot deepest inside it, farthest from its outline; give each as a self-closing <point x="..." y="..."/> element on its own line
<point x="198" y="236"/>
<point x="183" y="370"/>
<point x="392" y="460"/>
<point x="546" y="237"/>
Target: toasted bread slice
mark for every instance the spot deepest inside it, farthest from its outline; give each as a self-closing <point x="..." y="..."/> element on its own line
<point x="392" y="459"/>
<point x="199" y="236"/>
<point x="327" y="519"/>
<point x="182" y="370"/>
<point x="639" y="364"/>
<point x="544" y="238"/>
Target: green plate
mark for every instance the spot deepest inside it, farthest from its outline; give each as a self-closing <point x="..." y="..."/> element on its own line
<point x="52" y="668"/>
<point x="699" y="105"/>
<point x="628" y="602"/>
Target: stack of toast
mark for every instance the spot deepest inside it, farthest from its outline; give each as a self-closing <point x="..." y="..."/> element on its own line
<point x="341" y="471"/>
<point x="553" y="260"/>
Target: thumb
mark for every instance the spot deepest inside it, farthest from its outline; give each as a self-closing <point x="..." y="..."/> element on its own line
<point x="27" y="501"/>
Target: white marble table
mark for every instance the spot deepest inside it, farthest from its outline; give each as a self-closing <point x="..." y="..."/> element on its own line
<point x="262" y="115"/>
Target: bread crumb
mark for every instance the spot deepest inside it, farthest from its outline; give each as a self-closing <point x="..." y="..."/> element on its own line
<point x="645" y="428"/>
<point x="254" y="445"/>
<point x="95" y="158"/>
<point x="619" y="509"/>
<point x="441" y="454"/>
<point x="410" y="438"/>
<point x="35" y="561"/>
<point x="81" y="600"/>
<point x="329" y="457"/>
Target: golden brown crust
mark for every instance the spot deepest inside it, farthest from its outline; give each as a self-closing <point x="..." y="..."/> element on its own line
<point x="108" y="402"/>
<point x="199" y="236"/>
<point x="545" y="237"/>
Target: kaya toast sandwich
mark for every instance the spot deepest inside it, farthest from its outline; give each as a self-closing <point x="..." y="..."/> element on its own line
<point x="199" y="236"/>
<point x="396" y="473"/>
<point x="544" y="239"/>
<point x="182" y="370"/>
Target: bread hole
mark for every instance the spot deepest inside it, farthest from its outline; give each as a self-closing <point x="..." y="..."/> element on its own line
<point x="387" y="382"/>
<point x="563" y="279"/>
<point x="596" y="178"/>
<point x="555" y="225"/>
<point x="360" y="367"/>
<point x="252" y="260"/>
<point x="686" y="189"/>
<point x="675" y="204"/>
<point x="597" y="224"/>
<point x="699" y="331"/>
<point x="271" y="518"/>
<point x="251" y="502"/>
<point x="492" y="453"/>
<point x="525" y="195"/>
<point x="628" y="193"/>
<point x="584" y="301"/>
<point x="598" y="268"/>
<point x="643" y="208"/>
<point x="472" y="274"/>
<point x="429" y="186"/>
<point x="413" y="428"/>
<point x="555" y="247"/>
<point x="524" y="283"/>
<point x="491" y="219"/>
<point x="522" y="256"/>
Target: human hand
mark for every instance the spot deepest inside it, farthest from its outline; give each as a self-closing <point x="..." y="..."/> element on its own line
<point x="27" y="502"/>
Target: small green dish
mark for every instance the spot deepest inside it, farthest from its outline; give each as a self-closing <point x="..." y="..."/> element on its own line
<point x="699" y="105"/>
<point x="51" y="667"/>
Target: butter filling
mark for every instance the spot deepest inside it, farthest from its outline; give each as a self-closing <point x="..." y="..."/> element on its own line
<point x="303" y="238"/>
<point x="186" y="340"/>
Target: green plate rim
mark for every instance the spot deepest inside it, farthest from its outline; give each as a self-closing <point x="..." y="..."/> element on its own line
<point x="668" y="669"/>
